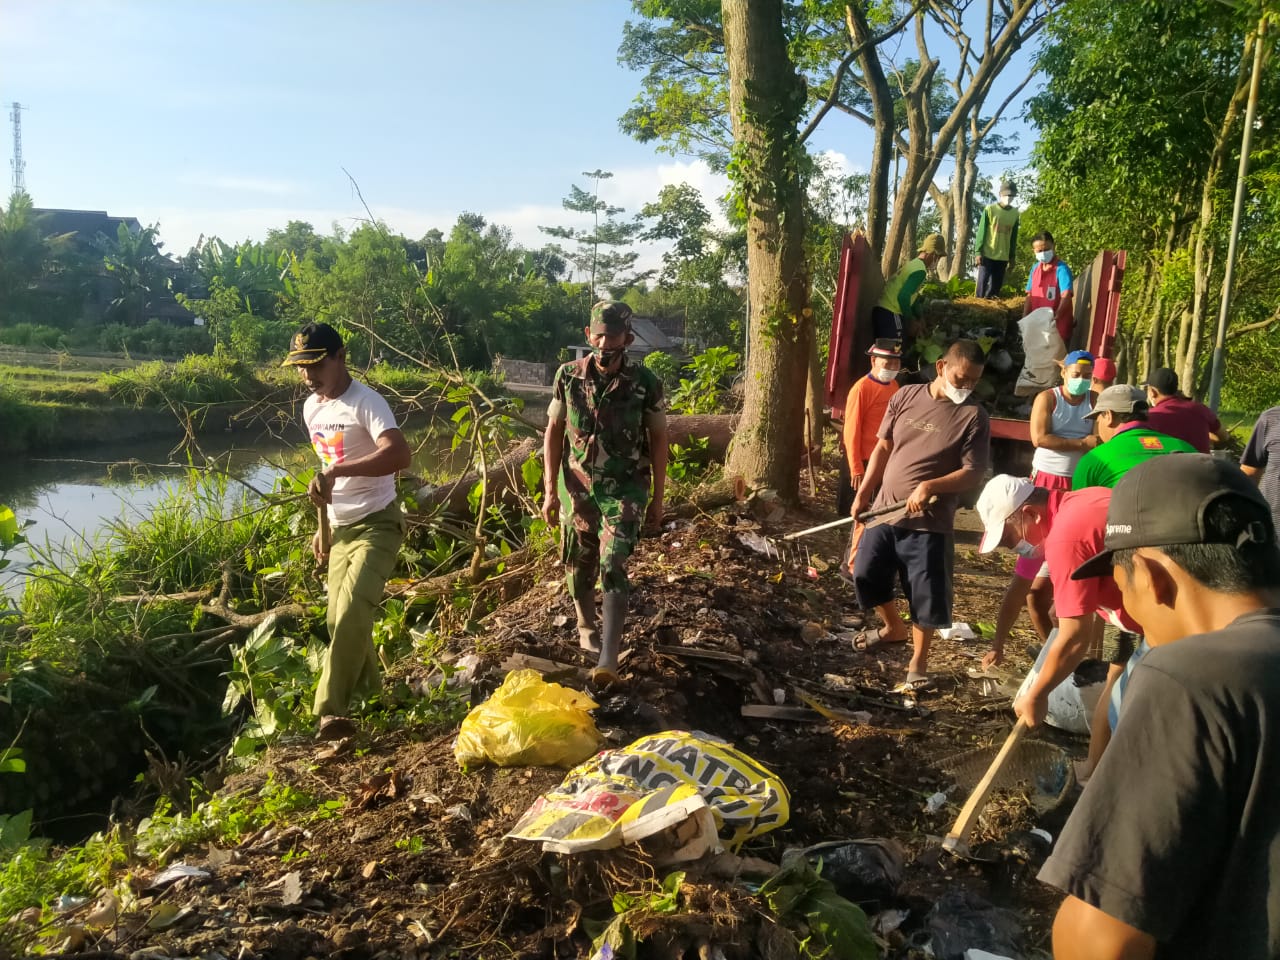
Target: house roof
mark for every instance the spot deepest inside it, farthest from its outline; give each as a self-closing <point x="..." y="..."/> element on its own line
<point x="85" y="224"/>
<point x="648" y="336"/>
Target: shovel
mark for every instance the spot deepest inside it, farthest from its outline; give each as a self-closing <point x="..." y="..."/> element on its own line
<point x="957" y="839"/>
<point x="887" y="514"/>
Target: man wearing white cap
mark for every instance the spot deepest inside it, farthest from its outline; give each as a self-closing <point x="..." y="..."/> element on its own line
<point x="1015" y="513"/>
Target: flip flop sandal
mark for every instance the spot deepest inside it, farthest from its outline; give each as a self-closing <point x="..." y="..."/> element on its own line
<point x="602" y="677"/>
<point x="868" y="641"/>
<point x="915" y="683"/>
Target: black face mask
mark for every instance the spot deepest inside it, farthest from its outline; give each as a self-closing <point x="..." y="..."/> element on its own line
<point x="606" y="358"/>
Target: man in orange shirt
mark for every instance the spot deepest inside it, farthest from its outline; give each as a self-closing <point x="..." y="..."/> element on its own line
<point x="864" y="409"/>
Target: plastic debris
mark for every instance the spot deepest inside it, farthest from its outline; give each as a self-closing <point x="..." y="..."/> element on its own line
<point x="961" y="922"/>
<point x="761" y="545"/>
<point x="958" y="631"/>
<point x="176" y="872"/>
<point x="935" y="803"/>
<point x="528" y="723"/>
<point x="860" y="870"/>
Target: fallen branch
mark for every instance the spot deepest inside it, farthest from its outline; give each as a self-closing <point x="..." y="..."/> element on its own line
<point x="293" y="611"/>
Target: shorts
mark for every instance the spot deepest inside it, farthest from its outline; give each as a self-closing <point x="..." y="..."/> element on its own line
<point x="1118" y="645"/>
<point x="921" y="560"/>
<point x="1058" y="487"/>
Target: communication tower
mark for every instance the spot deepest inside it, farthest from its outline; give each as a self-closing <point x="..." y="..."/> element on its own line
<point x="17" y="163"/>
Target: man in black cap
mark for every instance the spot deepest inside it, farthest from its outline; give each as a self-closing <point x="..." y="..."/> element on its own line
<point x="1174" y="848"/>
<point x="606" y="440"/>
<point x="361" y="449"/>
<point x="1179" y="416"/>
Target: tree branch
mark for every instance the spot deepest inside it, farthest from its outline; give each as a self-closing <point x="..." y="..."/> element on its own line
<point x="1250" y="327"/>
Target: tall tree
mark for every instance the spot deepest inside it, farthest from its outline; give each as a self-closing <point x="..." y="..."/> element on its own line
<point x="608" y="269"/>
<point x="1146" y="166"/>
<point x="766" y="99"/>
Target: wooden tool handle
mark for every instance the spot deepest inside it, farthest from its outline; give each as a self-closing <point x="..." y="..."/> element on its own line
<point x="326" y="535"/>
<point x="957" y="839"/>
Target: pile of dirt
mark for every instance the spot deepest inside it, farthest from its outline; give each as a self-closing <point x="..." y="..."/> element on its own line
<point x="416" y="863"/>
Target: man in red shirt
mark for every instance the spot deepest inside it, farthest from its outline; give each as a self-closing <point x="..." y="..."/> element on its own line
<point x="1178" y="416"/>
<point x="1015" y="514"/>
<point x="863" y="410"/>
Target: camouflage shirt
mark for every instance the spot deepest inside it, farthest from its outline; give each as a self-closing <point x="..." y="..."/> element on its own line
<point x="607" y="421"/>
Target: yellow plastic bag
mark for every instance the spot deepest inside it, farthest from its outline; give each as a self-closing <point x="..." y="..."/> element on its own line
<point x="528" y="723"/>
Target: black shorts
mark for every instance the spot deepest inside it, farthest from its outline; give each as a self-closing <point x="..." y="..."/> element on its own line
<point x="920" y="559"/>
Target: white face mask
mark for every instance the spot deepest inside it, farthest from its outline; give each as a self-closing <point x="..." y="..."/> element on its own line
<point x="884" y="376"/>
<point x="954" y="394"/>
<point x="1045" y="256"/>
<point x="1029" y="551"/>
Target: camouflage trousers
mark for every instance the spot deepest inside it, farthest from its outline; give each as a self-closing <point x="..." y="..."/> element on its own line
<point x="598" y="533"/>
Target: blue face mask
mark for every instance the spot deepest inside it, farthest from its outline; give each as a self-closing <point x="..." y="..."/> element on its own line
<point x="1045" y="256"/>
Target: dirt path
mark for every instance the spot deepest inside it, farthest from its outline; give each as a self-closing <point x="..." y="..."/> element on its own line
<point x="426" y="873"/>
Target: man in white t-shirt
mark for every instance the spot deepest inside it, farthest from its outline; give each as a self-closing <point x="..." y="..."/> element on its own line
<point x="355" y="435"/>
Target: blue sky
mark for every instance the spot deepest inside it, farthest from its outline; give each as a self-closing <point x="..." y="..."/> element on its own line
<point x="234" y="116"/>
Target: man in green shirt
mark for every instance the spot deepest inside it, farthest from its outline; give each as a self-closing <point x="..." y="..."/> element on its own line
<point x="896" y="316"/>
<point x="1121" y="413"/>
<point x="996" y="240"/>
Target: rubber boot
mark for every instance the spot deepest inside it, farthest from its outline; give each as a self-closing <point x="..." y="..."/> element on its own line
<point x="584" y="604"/>
<point x="615" y="616"/>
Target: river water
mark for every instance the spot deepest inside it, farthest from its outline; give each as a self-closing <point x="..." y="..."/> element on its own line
<point x="72" y="498"/>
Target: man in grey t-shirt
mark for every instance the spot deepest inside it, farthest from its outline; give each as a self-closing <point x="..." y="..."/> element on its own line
<point x="1261" y="459"/>
<point x="1174" y="848"/>
<point x="934" y="442"/>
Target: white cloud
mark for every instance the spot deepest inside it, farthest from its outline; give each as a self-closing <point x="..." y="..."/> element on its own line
<point x="631" y="189"/>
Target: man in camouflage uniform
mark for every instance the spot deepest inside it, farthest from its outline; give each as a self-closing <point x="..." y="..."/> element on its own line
<point x="612" y="412"/>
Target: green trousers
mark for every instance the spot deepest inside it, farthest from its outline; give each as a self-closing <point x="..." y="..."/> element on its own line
<point x="361" y="558"/>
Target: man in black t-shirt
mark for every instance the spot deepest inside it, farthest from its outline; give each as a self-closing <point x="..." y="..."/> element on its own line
<point x="1174" y="848"/>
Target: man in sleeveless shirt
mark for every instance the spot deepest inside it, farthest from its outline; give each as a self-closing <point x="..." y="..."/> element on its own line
<point x="1062" y="433"/>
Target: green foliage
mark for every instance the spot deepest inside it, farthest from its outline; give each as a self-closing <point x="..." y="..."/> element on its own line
<point x="274" y="678"/>
<point x="665" y="367"/>
<point x="34" y="335"/>
<point x="192" y="380"/>
<point x="155" y="338"/>
<point x="605" y="269"/>
<point x="713" y="371"/>
<point x="687" y="463"/>
<point x="226" y="818"/>
<point x="833" y="927"/>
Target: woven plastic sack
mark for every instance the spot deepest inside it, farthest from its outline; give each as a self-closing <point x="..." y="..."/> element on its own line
<point x="621" y="796"/>
<point x="528" y="723"/>
<point x="1043" y="347"/>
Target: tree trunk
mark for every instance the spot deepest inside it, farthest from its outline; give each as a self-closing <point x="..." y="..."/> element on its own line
<point x="766" y="99"/>
<point x="925" y="148"/>
<point x="1203" y="259"/>
<point x="900" y="243"/>
<point x="877" y="86"/>
<point x="960" y="257"/>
